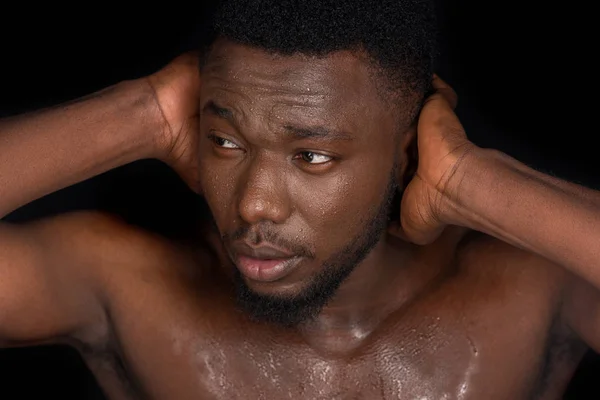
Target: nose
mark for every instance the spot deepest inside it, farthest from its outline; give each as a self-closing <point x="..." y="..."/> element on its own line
<point x="264" y="196"/>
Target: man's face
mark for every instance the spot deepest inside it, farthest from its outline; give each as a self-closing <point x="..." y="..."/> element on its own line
<point x="298" y="168"/>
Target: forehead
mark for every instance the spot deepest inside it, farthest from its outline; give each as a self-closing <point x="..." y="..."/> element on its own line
<point x="341" y="85"/>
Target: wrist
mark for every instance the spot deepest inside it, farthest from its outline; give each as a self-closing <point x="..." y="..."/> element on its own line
<point x="468" y="189"/>
<point x="146" y="108"/>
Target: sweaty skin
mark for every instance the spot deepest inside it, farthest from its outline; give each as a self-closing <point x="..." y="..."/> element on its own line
<point x="464" y="315"/>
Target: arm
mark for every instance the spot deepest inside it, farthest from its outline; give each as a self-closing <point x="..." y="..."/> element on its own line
<point x="48" y="289"/>
<point x="54" y="148"/>
<point x="553" y="218"/>
<point x="49" y="284"/>
<point x="461" y="184"/>
<point x="558" y="220"/>
<point x="45" y="295"/>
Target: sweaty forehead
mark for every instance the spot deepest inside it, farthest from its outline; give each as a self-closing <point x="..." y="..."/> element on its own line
<point x="340" y="83"/>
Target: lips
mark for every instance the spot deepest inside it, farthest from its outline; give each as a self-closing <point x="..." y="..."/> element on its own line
<point x="264" y="263"/>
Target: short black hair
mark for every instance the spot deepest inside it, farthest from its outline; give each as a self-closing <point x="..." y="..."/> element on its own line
<point x="398" y="36"/>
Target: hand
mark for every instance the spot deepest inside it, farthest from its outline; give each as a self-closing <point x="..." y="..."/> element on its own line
<point x="442" y="146"/>
<point x="176" y="89"/>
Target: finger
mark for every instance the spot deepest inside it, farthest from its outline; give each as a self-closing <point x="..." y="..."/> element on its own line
<point x="417" y="223"/>
<point x="439" y="108"/>
<point x="420" y="237"/>
<point x="418" y="234"/>
<point x="395" y="229"/>
<point x="445" y="90"/>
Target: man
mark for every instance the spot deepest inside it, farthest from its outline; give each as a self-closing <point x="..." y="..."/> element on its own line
<point x="298" y="132"/>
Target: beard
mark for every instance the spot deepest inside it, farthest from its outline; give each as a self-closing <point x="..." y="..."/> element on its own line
<point x="305" y="306"/>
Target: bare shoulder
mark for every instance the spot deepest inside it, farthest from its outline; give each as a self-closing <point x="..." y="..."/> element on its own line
<point x="539" y="298"/>
<point x="483" y="254"/>
<point x="58" y="274"/>
<point x="110" y="256"/>
<point x="108" y="244"/>
<point x="125" y="262"/>
<point x="91" y="234"/>
<point x="501" y="270"/>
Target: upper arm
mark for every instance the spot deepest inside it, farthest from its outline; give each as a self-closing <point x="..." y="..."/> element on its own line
<point x="47" y="290"/>
<point x="581" y="310"/>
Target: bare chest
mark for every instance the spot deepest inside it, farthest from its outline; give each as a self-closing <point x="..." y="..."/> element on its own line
<point x="427" y="353"/>
<point x="490" y="334"/>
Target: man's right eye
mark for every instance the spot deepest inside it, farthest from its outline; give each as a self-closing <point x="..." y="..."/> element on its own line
<point x="223" y="143"/>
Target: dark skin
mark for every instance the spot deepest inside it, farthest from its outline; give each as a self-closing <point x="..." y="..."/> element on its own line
<point x="471" y="295"/>
<point x="265" y="180"/>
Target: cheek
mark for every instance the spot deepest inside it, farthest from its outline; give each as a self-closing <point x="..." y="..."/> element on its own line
<point x="218" y="185"/>
<point x="336" y="209"/>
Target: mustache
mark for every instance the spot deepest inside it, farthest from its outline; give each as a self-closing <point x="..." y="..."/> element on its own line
<point x="265" y="235"/>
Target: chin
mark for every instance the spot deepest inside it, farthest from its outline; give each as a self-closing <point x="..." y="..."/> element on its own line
<point x="281" y="290"/>
<point x="287" y="302"/>
<point x="277" y="303"/>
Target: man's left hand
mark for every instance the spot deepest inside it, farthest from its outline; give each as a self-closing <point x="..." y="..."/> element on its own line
<point x="427" y="202"/>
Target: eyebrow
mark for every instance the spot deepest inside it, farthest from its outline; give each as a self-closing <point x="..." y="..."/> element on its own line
<point x="296" y="132"/>
<point x="212" y="108"/>
<point x="317" y="132"/>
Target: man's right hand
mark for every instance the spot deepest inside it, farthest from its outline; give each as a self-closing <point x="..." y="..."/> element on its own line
<point x="177" y="91"/>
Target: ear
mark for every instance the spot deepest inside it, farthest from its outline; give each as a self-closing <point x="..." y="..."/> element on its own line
<point x="407" y="156"/>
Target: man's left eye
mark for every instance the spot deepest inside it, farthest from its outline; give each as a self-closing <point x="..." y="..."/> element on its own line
<point x="314" y="158"/>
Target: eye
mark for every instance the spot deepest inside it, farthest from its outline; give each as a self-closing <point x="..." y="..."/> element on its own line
<point x="314" y="158"/>
<point x="224" y="143"/>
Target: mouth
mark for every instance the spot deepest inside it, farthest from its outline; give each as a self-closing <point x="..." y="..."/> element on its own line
<point x="264" y="263"/>
<point x="266" y="269"/>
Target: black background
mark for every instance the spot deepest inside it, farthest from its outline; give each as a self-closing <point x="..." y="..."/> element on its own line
<point x="525" y="74"/>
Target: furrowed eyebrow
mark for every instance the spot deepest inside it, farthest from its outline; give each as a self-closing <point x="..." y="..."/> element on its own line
<point x="317" y="132"/>
<point x="295" y="132"/>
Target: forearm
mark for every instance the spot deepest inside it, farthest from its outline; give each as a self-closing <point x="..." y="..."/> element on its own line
<point x="553" y="218"/>
<point x="48" y="150"/>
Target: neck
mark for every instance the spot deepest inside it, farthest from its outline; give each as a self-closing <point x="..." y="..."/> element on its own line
<point x="371" y="293"/>
<point x="387" y="280"/>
